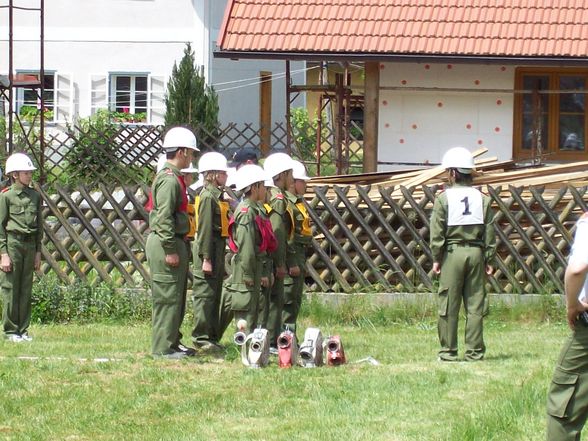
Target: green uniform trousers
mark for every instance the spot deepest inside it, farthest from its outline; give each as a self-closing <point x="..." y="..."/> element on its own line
<point x="17" y="285"/>
<point x="567" y="400"/>
<point x="293" y="291"/>
<point x="240" y="301"/>
<point x="462" y="278"/>
<point x="168" y="287"/>
<point x="206" y="295"/>
<point x="264" y="294"/>
<point x="276" y="306"/>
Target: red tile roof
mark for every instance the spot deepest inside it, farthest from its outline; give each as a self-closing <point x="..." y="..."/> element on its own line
<point x="479" y="28"/>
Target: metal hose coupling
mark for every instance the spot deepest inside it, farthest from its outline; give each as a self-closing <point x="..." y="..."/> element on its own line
<point x="258" y="354"/>
<point x="240" y="337"/>
<point x="335" y="352"/>
<point x="287" y="349"/>
<point x="311" y="350"/>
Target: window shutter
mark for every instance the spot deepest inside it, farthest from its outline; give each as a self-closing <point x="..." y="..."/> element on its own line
<point x="98" y="93"/>
<point x="156" y="100"/>
<point x="63" y="98"/>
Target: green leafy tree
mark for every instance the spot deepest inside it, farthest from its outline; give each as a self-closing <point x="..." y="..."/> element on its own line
<point x="190" y="102"/>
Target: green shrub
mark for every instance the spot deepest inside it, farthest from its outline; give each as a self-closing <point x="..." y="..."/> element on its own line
<point x="54" y="303"/>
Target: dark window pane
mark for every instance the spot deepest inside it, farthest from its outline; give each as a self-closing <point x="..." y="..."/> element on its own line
<point x="529" y="136"/>
<point x="123" y="83"/>
<point x="140" y="101"/>
<point x="49" y="82"/>
<point x="123" y="102"/>
<point x="532" y="83"/>
<point x="141" y="84"/>
<point x="571" y="102"/>
<point x="571" y="132"/>
<point x="30" y="97"/>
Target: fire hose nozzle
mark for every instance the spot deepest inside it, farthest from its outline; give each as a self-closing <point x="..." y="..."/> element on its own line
<point x="239" y="338"/>
<point x="284" y="342"/>
<point x="333" y="346"/>
<point x="306" y="354"/>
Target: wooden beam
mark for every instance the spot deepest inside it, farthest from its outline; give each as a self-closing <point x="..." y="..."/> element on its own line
<point x="370" y="116"/>
<point x="265" y="111"/>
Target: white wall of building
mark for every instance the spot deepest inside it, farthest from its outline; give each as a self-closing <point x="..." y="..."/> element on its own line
<point x="237" y="81"/>
<point x="87" y="41"/>
<point x="419" y="126"/>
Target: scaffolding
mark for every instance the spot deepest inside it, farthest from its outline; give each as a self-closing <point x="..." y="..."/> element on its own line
<point x="339" y="96"/>
<point x="12" y="82"/>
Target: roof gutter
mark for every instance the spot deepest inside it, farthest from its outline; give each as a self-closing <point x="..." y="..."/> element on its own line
<point x="409" y="58"/>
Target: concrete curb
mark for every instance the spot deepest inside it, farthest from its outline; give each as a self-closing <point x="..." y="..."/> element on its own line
<point x="389" y="298"/>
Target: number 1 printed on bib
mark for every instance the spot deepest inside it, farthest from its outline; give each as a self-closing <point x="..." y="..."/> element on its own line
<point x="464" y="206"/>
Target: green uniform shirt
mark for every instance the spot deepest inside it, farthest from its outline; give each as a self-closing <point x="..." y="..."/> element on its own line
<point x="165" y="220"/>
<point x="442" y="235"/>
<point x="248" y="239"/>
<point x="281" y="224"/>
<point x="209" y="221"/>
<point x="298" y="241"/>
<point x="20" y="213"/>
<point x="266" y="258"/>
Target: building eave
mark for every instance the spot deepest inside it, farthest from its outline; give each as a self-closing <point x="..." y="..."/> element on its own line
<point x="412" y="58"/>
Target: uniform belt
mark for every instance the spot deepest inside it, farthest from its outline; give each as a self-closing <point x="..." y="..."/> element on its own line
<point x="23" y="237"/>
<point x="452" y="246"/>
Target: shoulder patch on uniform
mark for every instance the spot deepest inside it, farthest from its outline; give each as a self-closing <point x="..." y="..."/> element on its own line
<point x="244" y="209"/>
<point x="169" y="171"/>
<point x="279" y="196"/>
<point x="584" y="216"/>
<point x="4" y="190"/>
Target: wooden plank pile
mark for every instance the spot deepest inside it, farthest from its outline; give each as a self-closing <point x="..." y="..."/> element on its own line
<point x="489" y="172"/>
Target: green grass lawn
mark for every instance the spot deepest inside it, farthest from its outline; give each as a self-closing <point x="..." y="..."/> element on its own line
<point x="67" y="395"/>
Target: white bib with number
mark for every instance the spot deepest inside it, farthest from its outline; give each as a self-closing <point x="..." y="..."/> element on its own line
<point x="464" y="206"/>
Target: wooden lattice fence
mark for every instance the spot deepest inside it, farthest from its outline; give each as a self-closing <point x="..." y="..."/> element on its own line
<point x="366" y="239"/>
<point x="127" y="154"/>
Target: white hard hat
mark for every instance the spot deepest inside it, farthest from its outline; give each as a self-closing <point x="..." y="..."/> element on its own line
<point x="460" y="158"/>
<point x="247" y="175"/>
<point x="212" y="161"/>
<point x="161" y="162"/>
<point x="179" y="137"/>
<point x="277" y="163"/>
<point x="190" y="169"/>
<point x="299" y="171"/>
<point x="19" y="162"/>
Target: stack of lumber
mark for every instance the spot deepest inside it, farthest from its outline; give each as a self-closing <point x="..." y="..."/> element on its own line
<point x="489" y="172"/>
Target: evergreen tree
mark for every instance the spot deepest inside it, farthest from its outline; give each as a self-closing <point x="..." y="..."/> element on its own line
<point x="190" y="102"/>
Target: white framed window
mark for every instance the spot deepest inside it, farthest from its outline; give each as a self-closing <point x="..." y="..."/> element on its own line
<point x="58" y="96"/>
<point x="129" y="93"/>
<point x="28" y="99"/>
<point x="136" y="94"/>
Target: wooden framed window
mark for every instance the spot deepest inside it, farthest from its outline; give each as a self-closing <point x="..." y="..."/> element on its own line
<point x="550" y="114"/>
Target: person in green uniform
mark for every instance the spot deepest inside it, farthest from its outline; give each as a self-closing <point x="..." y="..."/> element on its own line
<point x="167" y="245"/>
<point x="279" y="167"/>
<point x="268" y="266"/>
<point x="296" y="256"/>
<point x="212" y="222"/>
<point x="567" y="399"/>
<point x="21" y="230"/>
<point x="249" y="238"/>
<point x="463" y="244"/>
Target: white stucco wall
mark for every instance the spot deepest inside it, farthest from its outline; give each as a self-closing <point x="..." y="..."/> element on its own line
<point x="237" y="81"/>
<point x="419" y="126"/>
<point x="87" y="39"/>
